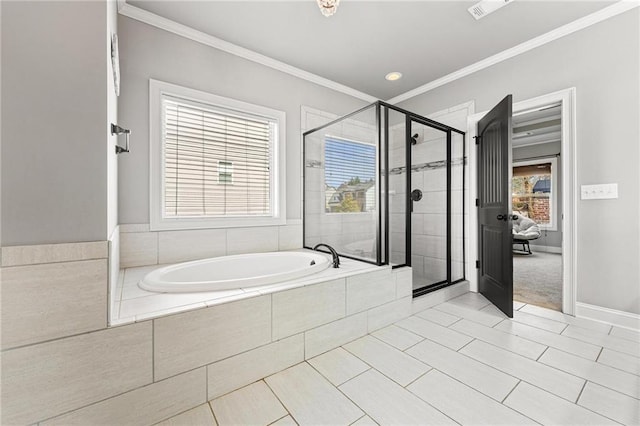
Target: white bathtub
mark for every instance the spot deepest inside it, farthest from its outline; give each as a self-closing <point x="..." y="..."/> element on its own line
<point x="231" y="272"/>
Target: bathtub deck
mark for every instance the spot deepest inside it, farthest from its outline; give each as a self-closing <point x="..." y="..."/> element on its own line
<point x="133" y="304"/>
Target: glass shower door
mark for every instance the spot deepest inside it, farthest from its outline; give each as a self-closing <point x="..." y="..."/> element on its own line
<point x="429" y="205"/>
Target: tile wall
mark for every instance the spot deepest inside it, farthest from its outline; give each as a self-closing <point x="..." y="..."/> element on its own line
<point x="428" y="220"/>
<point x="141" y="247"/>
<point x="61" y="364"/>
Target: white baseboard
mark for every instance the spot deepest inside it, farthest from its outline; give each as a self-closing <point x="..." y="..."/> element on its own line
<point x="546" y="249"/>
<point x="610" y="316"/>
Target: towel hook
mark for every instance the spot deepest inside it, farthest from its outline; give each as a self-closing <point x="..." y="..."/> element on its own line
<point x="117" y="130"/>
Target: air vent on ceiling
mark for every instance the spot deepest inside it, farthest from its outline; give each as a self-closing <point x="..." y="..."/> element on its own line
<point x="485" y="7"/>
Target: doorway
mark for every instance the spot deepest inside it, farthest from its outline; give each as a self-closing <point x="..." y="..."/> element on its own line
<point x="565" y="100"/>
<point x="536" y="188"/>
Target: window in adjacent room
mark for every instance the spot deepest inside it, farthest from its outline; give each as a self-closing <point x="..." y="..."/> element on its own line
<point x="215" y="161"/>
<point x="534" y="191"/>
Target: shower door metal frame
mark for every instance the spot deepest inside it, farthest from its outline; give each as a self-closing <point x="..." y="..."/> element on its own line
<point x="378" y="261"/>
<point x="382" y="148"/>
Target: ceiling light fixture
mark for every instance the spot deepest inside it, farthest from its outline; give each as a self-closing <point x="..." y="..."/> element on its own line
<point x="393" y="76"/>
<point x="328" y="7"/>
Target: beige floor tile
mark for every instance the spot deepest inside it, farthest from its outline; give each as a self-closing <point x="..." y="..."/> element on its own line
<point x="471" y="299"/>
<point x="600" y="339"/>
<point x="437" y="333"/>
<point x="479" y="376"/>
<point x="199" y="416"/>
<point x="338" y="365"/>
<point x="251" y="405"/>
<point x="438" y="316"/>
<point x="462" y="403"/>
<point x="624" y="362"/>
<point x="548" y="378"/>
<point x="285" y="421"/>
<point x="549" y="409"/>
<point x="388" y="360"/>
<point x="460" y="310"/>
<point x="604" y="375"/>
<point x="567" y="319"/>
<point x="397" y="337"/>
<point x="539" y="322"/>
<point x="549" y="338"/>
<point x="364" y="421"/>
<point x="499" y="338"/>
<point x="388" y="403"/>
<point x="609" y="403"/>
<point x="518" y="305"/>
<point x="625" y="333"/>
<point x="311" y="399"/>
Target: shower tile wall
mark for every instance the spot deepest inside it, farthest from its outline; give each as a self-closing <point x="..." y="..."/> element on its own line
<point x="428" y="220"/>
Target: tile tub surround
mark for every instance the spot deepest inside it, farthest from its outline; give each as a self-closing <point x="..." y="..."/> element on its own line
<point x="141" y="247"/>
<point x="227" y="346"/>
<point x="131" y="303"/>
<point x="52" y="291"/>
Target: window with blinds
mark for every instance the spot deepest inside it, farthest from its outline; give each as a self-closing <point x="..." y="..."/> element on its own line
<point x="216" y="162"/>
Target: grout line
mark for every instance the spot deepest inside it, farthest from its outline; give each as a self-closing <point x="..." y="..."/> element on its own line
<point x="277" y="396"/>
<point x="419" y="377"/>
<point x="599" y="353"/>
<point x="584" y="385"/>
<point x="277" y="420"/>
<point x="212" y="413"/>
<point x="153" y="352"/>
<point x="510" y="392"/>
<point x="543" y="352"/>
<point x="360" y="418"/>
<point x="456" y="321"/>
<point x="473" y="339"/>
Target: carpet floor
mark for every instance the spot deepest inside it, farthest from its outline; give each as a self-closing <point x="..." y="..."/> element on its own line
<point x="537" y="279"/>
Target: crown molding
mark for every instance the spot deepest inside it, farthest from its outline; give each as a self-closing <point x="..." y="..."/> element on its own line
<point x="577" y="25"/>
<point x="142" y="15"/>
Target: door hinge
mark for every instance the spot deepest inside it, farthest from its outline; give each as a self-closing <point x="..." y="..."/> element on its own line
<point x="477" y="202"/>
<point x="478" y="139"/>
<point x="477" y="264"/>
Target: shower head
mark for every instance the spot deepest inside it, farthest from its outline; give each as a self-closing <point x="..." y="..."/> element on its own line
<point x="414" y="139"/>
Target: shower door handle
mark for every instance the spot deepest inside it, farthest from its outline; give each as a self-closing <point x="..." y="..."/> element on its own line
<point x="416" y="195"/>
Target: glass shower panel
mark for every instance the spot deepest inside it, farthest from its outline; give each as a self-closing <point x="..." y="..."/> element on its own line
<point x="341" y="186"/>
<point x="429" y="217"/>
<point x="397" y="188"/>
<point x="458" y="209"/>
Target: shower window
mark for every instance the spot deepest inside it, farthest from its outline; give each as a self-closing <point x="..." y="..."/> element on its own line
<point x="350" y="170"/>
<point x="215" y="161"/>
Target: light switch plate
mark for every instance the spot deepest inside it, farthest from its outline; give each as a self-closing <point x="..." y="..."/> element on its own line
<point x="599" y="192"/>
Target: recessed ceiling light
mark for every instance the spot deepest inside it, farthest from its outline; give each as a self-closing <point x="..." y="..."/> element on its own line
<point x="393" y="76"/>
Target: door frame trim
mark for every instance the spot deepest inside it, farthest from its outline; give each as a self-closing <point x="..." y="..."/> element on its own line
<point x="567" y="98"/>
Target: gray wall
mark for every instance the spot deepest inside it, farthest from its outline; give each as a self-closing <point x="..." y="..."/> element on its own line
<point x="602" y="62"/>
<point x="148" y="52"/>
<point x="547" y="238"/>
<point x="55" y="122"/>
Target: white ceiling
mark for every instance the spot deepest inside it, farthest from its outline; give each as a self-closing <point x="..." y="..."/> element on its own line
<point x="364" y="40"/>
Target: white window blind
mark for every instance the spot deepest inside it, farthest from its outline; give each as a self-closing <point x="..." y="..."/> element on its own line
<point x="217" y="162"/>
